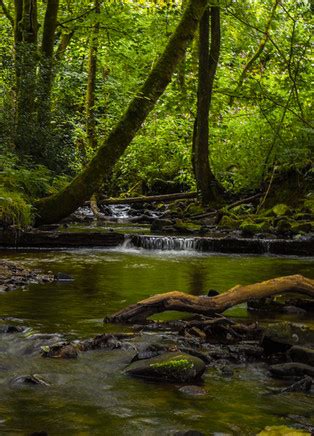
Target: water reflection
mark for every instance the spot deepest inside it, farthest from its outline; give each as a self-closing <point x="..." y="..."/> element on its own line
<point x="92" y="395"/>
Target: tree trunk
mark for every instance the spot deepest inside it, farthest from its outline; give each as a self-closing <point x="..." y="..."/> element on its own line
<point x="46" y="73"/>
<point x="26" y="28"/>
<point x="91" y="83"/>
<point x="54" y="208"/>
<point x="208" y="61"/>
<point x="182" y="302"/>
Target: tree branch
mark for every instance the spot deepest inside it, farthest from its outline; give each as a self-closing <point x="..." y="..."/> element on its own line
<point x="182" y="302"/>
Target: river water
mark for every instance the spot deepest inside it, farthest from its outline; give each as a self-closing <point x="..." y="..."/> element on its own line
<point x="92" y="395"/>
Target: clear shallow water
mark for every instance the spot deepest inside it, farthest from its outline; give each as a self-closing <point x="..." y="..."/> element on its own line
<point x="91" y="395"/>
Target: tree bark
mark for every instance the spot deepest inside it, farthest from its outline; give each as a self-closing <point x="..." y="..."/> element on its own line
<point x="91" y="83"/>
<point x="89" y="181"/>
<point x="182" y="302"/>
<point x="208" y="61"/>
<point x="26" y="28"/>
<point x="46" y="73"/>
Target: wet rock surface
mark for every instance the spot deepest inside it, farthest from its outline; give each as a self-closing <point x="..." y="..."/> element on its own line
<point x="28" y="380"/>
<point x="14" y="276"/>
<point x="291" y="369"/>
<point x="171" y="367"/>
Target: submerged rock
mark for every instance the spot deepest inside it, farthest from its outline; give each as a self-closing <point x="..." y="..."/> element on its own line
<point x="107" y="341"/>
<point x="193" y="390"/>
<point x="62" y="277"/>
<point x="11" y="329"/>
<point x="28" y="380"/>
<point x="61" y="350"/>
<point x="292" y="369"/>
<point x="303" y="385"/>
<point x="171" y="367"/>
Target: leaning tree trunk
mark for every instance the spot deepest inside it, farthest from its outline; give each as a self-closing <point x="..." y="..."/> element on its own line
<point x="211" y="305"/>
<point x="208" y="61"/>
<point x="54" y="208"/>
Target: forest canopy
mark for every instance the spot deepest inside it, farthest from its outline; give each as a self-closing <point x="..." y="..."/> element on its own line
<point x="70" y="69"/>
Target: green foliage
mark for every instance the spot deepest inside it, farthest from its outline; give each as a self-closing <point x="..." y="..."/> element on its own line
<point x="13" y="209"/>
<point x="20" y="184"/>
<point x="268" y="123"/>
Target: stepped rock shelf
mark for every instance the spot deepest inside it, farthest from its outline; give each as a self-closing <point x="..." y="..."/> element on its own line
<point x="58" y="239"/>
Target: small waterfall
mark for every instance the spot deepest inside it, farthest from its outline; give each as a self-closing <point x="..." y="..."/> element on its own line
<point x="162" y="243"/>
<point x="120" y="211"/>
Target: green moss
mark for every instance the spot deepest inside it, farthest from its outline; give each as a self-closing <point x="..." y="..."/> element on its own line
<point x="187" y="226"/>
<point x="14" y="210"/>
<point x="306" y="226"/>
<point x="229" y="222"/>
<point x="309" y="205"/>
<point x="250" y="228"/>
<point x="283" y="225"/>
<point x="281" y="210"/>
<point x="177" y="365"/>
<point x="193" y="209"/>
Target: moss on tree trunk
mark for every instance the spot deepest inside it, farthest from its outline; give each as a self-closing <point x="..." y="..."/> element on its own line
<point x="54" y="208"/>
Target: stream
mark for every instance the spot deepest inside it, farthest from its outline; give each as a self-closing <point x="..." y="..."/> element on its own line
<point x="92" y="395"/>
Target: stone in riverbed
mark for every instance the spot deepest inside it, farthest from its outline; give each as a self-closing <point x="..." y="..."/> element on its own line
<point x="193" y="390"/>
<point x="61" y="350"/>
<point x="292" y="369"/>
<point x="28" y="380"/>
<point x="301" y="354"/>
<point x="170" y="367"/>
<point x="281" y="336"/>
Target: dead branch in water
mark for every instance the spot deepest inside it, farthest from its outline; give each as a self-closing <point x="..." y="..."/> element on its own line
<point x="182" y="302"/>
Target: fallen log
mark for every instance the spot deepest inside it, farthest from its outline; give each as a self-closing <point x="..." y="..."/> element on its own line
<point x="228" y="206"/>
<point x="150" y="198"/>
<point x="182" y="302"/>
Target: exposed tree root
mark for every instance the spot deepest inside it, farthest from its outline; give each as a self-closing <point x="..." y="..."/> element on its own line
<point x="182" y="302"/>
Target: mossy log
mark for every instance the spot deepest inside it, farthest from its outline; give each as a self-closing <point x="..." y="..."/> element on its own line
<point x="150" y="198"/>
<point x="182" y="302"/>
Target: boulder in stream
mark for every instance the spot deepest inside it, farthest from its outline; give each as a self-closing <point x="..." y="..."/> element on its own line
<point x="301" y="354"/>
<point x="281" y="336"/>
<point x="169" y="367"/>
<point x="291" y="369"/>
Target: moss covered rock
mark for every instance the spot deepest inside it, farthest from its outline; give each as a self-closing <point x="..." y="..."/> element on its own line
<point x="281" y="210"/>
<point x="193" y="209"/>
<point x="251" y="228"/>
<point x="309" y="205"/>
<point x="170" y="367"/>
<point x="287" y="333"/>
<point x="186" y="227"/>
<point x="229" y="222"/>
<point x="283" y="225"/>
<point x="297" y="227"/>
